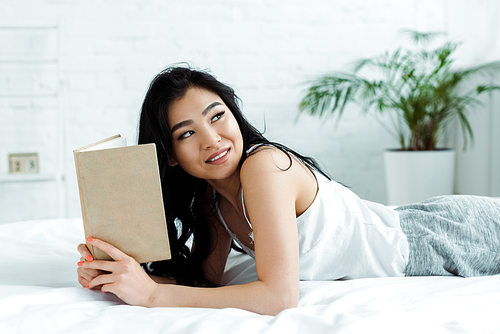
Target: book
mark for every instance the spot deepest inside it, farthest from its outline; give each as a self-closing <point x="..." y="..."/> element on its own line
<point x="121" y="198"/>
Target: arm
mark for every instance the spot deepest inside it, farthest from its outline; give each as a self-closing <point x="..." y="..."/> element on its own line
<point x="213" y="266"/>
<point x="85" y="274"/>
<point x="270" y="196"/>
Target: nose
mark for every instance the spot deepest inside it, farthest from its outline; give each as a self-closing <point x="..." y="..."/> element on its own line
<point x="210" y="138"/>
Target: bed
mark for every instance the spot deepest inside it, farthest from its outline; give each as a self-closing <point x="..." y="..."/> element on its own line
<point x="39" y="294"/>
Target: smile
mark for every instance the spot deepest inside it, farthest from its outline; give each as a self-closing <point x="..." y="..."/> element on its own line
<point x="219" y="156"/>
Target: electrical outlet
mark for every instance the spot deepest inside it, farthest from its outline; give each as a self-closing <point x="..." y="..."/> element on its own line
<point x="23" y="163"/>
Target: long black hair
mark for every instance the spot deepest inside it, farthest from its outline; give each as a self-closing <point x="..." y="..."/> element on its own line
<point x="184" y="196"/>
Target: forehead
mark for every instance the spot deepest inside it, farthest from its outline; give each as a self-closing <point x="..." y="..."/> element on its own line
<point x="192" y="103"/>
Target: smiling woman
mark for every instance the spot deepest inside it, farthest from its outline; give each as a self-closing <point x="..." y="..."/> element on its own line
<point x="201" y="135"/>
<point x="223" y="181"/>
<point x="204" y="135"/>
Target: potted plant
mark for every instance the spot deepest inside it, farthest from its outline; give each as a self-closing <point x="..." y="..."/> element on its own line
<point x="417" y="89"/>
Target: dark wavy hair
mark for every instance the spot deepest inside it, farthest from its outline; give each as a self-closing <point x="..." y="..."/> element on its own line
<point x="184" y="196"/>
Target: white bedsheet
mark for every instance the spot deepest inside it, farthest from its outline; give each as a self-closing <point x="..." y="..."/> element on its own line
<point x="39" y="294"/>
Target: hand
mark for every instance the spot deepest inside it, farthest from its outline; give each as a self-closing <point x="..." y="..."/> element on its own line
<point x="124" y="277"/>
<point x="85" y="275"/>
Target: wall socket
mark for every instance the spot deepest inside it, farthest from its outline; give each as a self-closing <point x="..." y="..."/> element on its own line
<point x="23" y="163"/>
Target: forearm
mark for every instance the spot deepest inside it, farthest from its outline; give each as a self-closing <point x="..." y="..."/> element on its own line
<point x="256" y="297"/>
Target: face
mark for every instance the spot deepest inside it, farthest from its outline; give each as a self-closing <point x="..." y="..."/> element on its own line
<point x="207" y="141"/>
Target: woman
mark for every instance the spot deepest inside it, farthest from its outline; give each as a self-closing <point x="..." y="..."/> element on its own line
<point x="223" y="181"/>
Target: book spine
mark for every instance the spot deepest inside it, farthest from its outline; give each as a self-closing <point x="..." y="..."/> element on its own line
<point x="82" y="201"/>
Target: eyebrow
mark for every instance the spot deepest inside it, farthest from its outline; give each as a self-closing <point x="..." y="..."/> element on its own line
<point x="188" y="122"/>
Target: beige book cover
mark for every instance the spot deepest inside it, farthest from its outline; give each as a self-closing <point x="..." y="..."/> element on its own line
<point x="121" y="198"/>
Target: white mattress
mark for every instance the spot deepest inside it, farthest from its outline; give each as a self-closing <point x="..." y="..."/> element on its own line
<point x="39" y="294"/>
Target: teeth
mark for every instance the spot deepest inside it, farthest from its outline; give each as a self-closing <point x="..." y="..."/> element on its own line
<point x="219" y="156"/>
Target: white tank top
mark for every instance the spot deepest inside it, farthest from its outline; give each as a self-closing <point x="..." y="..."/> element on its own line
<point x="343" y="237"/>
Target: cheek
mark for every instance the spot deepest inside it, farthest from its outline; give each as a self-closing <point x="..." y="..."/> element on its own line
<point x="237" y="138"/>
<point x="179" y="153"/>
<point x="234" y="129"/>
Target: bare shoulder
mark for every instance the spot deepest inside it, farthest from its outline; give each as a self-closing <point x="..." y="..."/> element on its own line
<point x="266" y="160"/>
<point x="273" y="158"/>
<point x="271" y="173"/>
<point x="270" y="165"/>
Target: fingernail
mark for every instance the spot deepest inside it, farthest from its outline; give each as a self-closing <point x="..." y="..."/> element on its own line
<point x="88" y="285"/>
<point x="90" y="239"/>
<point x="79" y="263"/>
<point x="89" y="258"/>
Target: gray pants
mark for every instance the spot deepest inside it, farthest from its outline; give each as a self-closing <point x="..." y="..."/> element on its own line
<point x="452" y="235"/>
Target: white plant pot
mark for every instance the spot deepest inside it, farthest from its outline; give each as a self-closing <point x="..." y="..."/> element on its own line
<point x="413" y="176"/>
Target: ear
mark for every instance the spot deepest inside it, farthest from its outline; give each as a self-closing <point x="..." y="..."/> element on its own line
<point x="172" y="162"/>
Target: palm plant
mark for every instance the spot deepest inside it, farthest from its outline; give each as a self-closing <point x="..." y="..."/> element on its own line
<point x="417" y="88"/>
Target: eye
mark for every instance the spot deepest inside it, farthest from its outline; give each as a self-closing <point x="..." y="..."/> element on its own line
<point x="217" y="116"/>
<point x="185" y="135"/>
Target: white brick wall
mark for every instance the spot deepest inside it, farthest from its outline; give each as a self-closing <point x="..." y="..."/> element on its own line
<point x="105" y="54"/>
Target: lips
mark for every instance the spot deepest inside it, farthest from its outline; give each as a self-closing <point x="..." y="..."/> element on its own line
<point x="218" y="155"/>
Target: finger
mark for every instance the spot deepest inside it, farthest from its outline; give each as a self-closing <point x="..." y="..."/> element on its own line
<point x="83" y="274"/>
<point x="101" y="280"/>
<point x="89" y="274"/>
<point x="101" y="265"/>
<point x="84" y="252"/>
<point x="83" y="280"/>
<point x="109" y="249"/>
<point x="109" y="288"/>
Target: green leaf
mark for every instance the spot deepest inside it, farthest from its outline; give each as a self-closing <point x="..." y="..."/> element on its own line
<point x="418" y="88"/>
